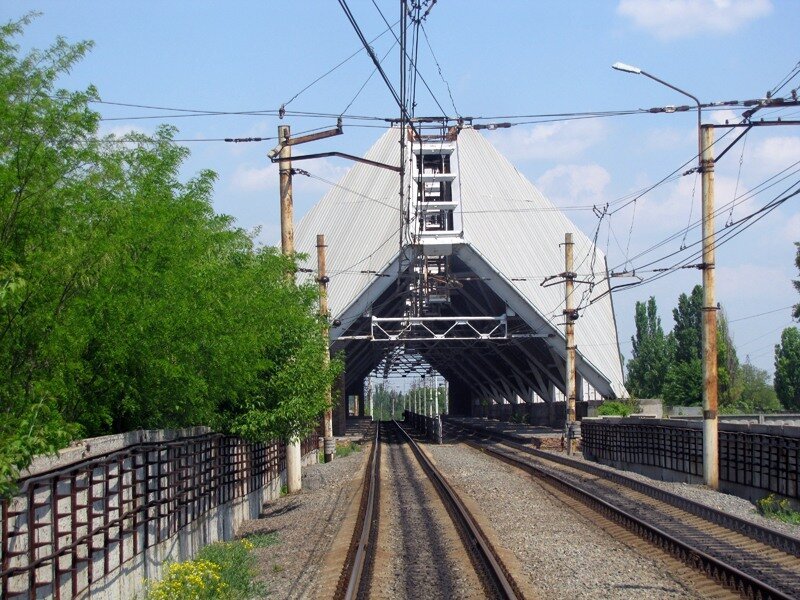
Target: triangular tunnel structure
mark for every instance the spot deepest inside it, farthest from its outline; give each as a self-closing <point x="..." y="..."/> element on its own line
<point x="454" y="278"/>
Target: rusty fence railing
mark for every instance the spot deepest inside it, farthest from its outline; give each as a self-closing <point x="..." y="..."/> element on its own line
<point x="71" y="527"/>
<point x="763" y="457"/>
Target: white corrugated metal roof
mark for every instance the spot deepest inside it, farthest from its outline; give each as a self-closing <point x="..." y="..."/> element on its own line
<point x="505" y="219"/>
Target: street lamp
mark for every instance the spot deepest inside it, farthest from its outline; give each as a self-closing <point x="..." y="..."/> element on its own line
<point x="705" y="141"/>
<point x="637" y="71"/>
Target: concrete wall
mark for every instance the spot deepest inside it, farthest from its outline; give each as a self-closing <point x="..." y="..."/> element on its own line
<point x="754" y="460"/>
<point x="82" y="481"/>
<point x="545" y="414"/>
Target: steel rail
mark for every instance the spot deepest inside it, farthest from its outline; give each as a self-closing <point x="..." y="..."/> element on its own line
<point x="765" y="535"/>
<point x="494" y="567"/>
<point x="359" y="551"/>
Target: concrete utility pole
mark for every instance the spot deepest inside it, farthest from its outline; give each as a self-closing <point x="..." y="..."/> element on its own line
<point x="369" y="392"/>
<point x="293" y="458"/>
<point x="322" y="280"/>
<point x="569" y="313"/>
<point x="710" y="390"/>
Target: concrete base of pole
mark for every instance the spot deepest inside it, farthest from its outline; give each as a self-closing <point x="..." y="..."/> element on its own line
<point x="294" y="481"/>
<point x="711" y="453"/>
<point x="329" y="449"/>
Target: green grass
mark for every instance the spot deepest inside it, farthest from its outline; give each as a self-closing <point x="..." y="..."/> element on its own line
<point x="263" y="540"/>
<point x="772" y="508"/>
<point x="346" y="449"/>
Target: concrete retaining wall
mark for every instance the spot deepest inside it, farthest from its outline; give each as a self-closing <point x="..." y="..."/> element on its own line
<point x="546" y="414"/>
<point x="754" y="460"/>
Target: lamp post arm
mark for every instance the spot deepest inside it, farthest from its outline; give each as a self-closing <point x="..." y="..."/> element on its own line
<point x="699" y="109"/>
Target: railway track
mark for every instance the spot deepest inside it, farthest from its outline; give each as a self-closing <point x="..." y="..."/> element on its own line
<point x="740" y="556"/>
<point x="421" y="524"/>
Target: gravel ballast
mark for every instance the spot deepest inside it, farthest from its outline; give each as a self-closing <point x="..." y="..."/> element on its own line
<point x="561" y="553"/>
<point x="734" y="505"/>
<point x="307" y="524"/>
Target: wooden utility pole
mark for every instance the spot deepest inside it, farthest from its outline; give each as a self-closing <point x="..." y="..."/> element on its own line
<point x="322" y="280"/>
<point x="710" y="390"/>
<point x="569" y="313"/>
<point x="293" y="458"/>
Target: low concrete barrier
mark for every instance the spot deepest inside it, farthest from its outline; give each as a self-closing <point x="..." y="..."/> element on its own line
<point x="754" y="460"/>
<point x="105" y="515"/>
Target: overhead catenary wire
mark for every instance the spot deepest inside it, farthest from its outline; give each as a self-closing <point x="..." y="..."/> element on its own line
<point x="735" y="230"/>
<point x="413" y="64"/>
<point x="338" y="65"/>
<point x="759" y="189"/>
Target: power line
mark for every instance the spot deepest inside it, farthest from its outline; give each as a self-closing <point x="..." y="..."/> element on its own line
<point x="413" y="63"/>
<point x="769" y="312"/>
<point x="324" y="75"/>
<point x="439" y="67"/>
<point x="348" y="13"/>
<point x="738" y="227"/>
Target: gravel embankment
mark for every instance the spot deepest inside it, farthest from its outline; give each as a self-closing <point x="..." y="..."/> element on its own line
<point x="702" y="494"/>
<point x="420" y="554"/>
<point x="307" y="525"/>
<point x="562" y="554"/>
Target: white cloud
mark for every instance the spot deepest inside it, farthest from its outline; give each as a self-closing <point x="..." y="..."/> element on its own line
<point x="574" y="184"/>
<point x="121" y="130"/>
<point x="670" y="211"/>
<point x="669" y="137"/>
<point x="249" y="178"/>
<point x="670" y="19"/>
<point x="773" y="154"/>
<point x="724" y="116"/>
<point x="564" y="140"/>
<point x="747" y="282"/>
<point x="791" y="229"/>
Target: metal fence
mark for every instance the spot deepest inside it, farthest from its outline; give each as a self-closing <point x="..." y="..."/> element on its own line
<point x="70" y="527"/>
<point x="749" y="456"/>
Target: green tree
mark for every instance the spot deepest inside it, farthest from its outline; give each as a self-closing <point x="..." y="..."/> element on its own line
<point x="688" y="329"/>
<point x="787" y="369"/>
<point x="684" y="384"/>
<point x="796" y="282"/>
<point x="684" y="376"/>
<point x="756" y="394"/>
<point x="125" y="301"/>
<point x="652" y="353"/>
<point x="727" y="364"/>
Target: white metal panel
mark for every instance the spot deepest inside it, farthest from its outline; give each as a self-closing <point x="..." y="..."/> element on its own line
<point x="516" y="230"/>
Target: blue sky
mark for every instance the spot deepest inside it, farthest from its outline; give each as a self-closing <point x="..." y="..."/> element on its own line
<point x="499" y="58"/>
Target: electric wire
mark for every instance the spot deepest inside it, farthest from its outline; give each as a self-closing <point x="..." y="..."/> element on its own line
<point x="734" y="231"/>
<point x="353" y="55"/>
<point x="761" y="314"/>
<point x="439" y="68"/>
<point x="413" y="63"/>
<point x="760" y="188"/>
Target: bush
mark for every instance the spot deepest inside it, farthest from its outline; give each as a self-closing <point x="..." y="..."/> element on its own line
<point x="616" y="408"/>
<point x="772" y="508"/>
<point x="222" y="570"/>
<point x="346" y="449"/>
<point x="192" y="580"/>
